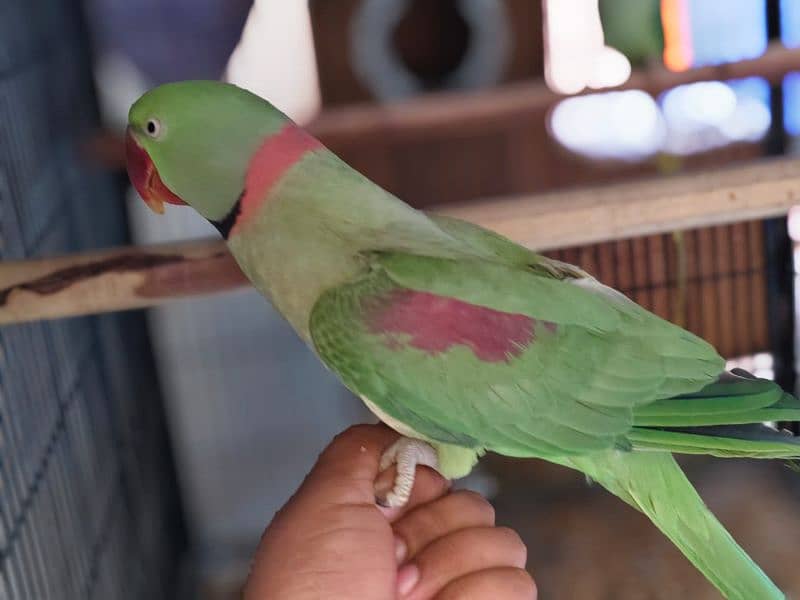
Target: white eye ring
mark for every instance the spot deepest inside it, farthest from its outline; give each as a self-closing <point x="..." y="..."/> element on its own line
<point x="153" y="127"/>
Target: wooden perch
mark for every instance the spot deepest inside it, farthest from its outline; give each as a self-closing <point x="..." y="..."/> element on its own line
<point x="118" y="279"/>
<point x="765" y="188"/>
<point x="137" y="277"/>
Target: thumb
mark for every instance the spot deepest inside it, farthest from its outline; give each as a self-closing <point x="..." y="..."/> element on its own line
<point x="347" y="473"/>
<point x="346" y="470"/>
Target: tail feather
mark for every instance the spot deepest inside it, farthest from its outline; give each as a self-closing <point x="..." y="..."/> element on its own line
<point x="725" y="418"/>
<point x="653" y="483"/>
<point x="722" y="441"/>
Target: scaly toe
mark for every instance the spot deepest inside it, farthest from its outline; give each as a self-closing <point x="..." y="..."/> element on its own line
<point x="393" y="500"/>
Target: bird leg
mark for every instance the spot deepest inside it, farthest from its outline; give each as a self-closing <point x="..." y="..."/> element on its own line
<point x="406" y="454"/>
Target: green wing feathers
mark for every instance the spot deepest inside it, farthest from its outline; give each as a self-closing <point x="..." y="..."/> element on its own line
<point x="653" y="483"/>
<point x="567" y="384"/>
<point x="489" y="243"/>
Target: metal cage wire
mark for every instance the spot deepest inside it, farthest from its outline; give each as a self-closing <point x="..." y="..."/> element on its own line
<point x="88" y="504"/>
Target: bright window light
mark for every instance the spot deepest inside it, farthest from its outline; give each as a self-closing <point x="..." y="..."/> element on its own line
<point x="791" y="103"/>
<point x="688" y="119"/>
<point x="727" y="30"/>
<point x="710" y="114"/>
<point x="701" y="104"/>
<point x="752" y="118"/>
<point x="711" y="32"/>
<point x="576" y="56"/>
<point x="623" y="125"/>
<point x="790" y="23"/>
<point x="275" y="58"/>
<point x="793" y="223"/>
<point x="761" y="365"/>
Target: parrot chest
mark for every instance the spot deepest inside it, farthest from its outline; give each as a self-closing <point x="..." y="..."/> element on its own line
<point x="292" y="266"/>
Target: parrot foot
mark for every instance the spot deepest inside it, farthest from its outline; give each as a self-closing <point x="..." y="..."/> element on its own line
<point x="406" y="454"/>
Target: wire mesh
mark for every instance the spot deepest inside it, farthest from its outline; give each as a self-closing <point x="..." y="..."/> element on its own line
<point x="88" y="504"/>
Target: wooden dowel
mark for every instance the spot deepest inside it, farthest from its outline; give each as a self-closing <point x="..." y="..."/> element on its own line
<point x="136" y="277"/>
<point x="757" y="190"/>
<point x="118" y="279"/>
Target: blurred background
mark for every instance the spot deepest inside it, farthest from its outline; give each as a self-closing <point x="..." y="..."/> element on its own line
<point x="142" y="453"/>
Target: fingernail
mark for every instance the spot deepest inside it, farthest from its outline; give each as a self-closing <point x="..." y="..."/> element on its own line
<point x="400" y="550"/>
<point x="407" y="578"/>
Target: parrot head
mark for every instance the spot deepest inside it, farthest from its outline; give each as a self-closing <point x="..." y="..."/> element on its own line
<point x="191" y="143"/>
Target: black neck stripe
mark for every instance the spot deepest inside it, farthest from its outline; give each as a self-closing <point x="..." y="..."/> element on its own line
<point x="225" y="225"/>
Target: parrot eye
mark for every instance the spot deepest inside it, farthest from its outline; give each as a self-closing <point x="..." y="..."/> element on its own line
<point x="153" y="127"/>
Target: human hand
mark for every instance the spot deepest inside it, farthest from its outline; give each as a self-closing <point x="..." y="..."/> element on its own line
<point x="332" y="541"/>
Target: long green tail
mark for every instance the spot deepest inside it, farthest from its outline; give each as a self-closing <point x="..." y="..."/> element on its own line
<point x="725" y="419"/>
<point x="653" y="483"/>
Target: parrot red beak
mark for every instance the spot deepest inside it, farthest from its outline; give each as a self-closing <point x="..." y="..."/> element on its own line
<point x="144" y="176"/>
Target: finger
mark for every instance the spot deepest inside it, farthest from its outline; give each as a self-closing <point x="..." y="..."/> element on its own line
<point x="460" y="553"/>
<point x="346" y="471"/>
<point x="504" y="582"/>
<point x="331" y="515"/>
<point x="459" y="510"/>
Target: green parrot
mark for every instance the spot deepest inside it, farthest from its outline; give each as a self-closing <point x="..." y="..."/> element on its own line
<point x="456" y="337"/>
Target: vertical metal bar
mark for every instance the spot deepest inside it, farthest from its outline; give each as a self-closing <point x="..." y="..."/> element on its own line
<point x="777" y="244"/>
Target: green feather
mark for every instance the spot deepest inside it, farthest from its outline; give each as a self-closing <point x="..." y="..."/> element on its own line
<point x="653" y="483"/>
<point x="754" y="441"/>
